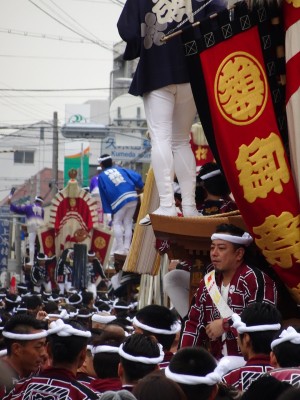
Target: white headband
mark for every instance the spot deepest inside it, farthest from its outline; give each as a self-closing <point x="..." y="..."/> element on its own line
<point x="287" y="335"/>
<point x="245" y="240"/>
<point x="61" y="329"/>
<point x="45" y="258"/>
<point x="103" y="159"/>
<point x="84" y="315"/>
<point x="142" y="359"/>
<point x="91" y="254"/>
<point x="75" y="302"/>
<point x="18" y="299"/>
<point x="37" y="198"/>
<point x="241" y="327"/>
<point x="173" y="329"/>
<point x="3" y="353"/>
<point x="115" y="305"/>
<point x="225" y="365"/>
<point x="210" y="174"/>
<point x="103" y="319"/>
<point x="104" y="349"/>
<point x="25" y="336"/>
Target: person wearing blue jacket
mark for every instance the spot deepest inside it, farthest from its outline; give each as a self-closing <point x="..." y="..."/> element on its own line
<point x="117" y="187"/>
<point x="161" y="77"/>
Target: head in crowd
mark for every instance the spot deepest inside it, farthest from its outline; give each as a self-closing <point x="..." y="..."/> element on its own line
<point x="84" y="317"/>
<point x="157" y="386"/>
<point x="212" y="179"/>
<point x="119" y="395"/>
<point x="267" y="388"/>
<point x="106" y="352"/>
<point x="11" y="301"/>
<point x="51" y="307"/>
<point x="258" y="316"/>
<point x="67" y="344"/>
<point x="229" y="247"/>
<point x="25" y="340"/>
<point x="105" y="161"/>
<point x="139" y="355"/>
<point x="158" y="321"/>
<point x="286" y="348"/>
<point x="120" y="308"/>
<point x="34" y="304"/>
<point x="193" y="362"/>
<point x="75" y="300"/>
<point x="88" y="299"/>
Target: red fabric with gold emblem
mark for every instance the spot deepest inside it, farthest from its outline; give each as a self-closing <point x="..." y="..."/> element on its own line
<point x="101" y="243"/>
<point x="251" y="149"/>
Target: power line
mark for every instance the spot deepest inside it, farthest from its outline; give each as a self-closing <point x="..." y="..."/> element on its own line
<point x="97" y="42"/>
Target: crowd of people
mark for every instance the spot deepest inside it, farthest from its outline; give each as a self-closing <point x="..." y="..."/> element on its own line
<point x="231" y="345"/>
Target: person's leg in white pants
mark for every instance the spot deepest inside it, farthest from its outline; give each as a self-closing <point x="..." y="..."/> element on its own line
<point x="170" y="112"/>
<point x="177" y="287"/>
<point x="31" y="239"/>
<point x="122" y="224"/>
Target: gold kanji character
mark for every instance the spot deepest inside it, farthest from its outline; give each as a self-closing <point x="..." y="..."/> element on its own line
<point x="201" y="153"/>
<point x="263" y="167"/>
<point x="241" y="88"/>
<point x="167" y="11"/>
<point x="279" y="239"/>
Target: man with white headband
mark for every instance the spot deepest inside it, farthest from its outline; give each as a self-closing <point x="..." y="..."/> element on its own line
<point x="160" y="322"/>
<point x="25" y="340"/>
<point x="35" y="219"/>
<point x="139" y="355"/>
<point x="118" y="191"/>
<point x="217" y="192"/>
<point x="285" y="356"/>
<point x="256" y="327"/>
<point x="67" y="345"/>
<point x="193" y="369"/>
<point x="228" y="287"/>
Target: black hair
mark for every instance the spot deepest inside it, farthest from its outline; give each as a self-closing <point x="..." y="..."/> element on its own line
<point x="159" y="317"/>
<point x="139" y="345"/>
<point x="106" y="163"/>
<point x="20" y="323"/>
<point x="51" y="307"/>
<point x="32" y="302"/>
<point x="287" y="353"/>
<point x="261" y="314"/>
<point x="194" y="361"/>
<point x="216" y="185"/>
<point x="65" y="349"/>
<point x="87" y="297"/>
<point x="266" y="387"/>
<point x="106" y="364"/>
<point x="290" y="394"/>
<point x="157" y="386"/>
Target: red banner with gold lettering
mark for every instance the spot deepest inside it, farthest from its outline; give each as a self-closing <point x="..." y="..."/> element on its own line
<point x="236" y="83"/>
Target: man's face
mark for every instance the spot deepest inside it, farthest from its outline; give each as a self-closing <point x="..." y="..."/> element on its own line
<point x="32" y="354"/>
<point x="224" y="255"/>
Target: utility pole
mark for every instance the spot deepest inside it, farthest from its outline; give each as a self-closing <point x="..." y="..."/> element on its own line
<point x="55" y="155"/>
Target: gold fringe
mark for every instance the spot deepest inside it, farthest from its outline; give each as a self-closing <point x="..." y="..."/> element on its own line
<point x="143" y="258"/>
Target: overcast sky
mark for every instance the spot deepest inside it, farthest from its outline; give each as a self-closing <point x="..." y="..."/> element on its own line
<point x="29" y="62"/>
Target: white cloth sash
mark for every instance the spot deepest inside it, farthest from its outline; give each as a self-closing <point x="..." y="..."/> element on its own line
<point x="213" y="290"/>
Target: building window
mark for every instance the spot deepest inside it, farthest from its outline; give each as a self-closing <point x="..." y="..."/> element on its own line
<point x="24" y="157"/>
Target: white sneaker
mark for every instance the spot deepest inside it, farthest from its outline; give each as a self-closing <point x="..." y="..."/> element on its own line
<point x="167" y="211"/>
<point x="190" y="211"/>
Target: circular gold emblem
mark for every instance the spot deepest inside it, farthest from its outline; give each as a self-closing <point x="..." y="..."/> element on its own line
<point x="49" y="241"/>
<point x="100" y="243"/>
<point x="241" y="89"/>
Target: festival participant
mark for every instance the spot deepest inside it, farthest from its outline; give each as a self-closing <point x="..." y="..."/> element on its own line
<point x="285" y="356"/>
<point x="95" y="273"/>
<point x="35" y="219"/>
<point x="67" y="349"/>
<point x="157" y="386"/>
<point x="161" y="323"/>
<point x="168" y="100"/>
<point x="228" y="287"/>
<point x="25" y="341"/>
<point x="197" y="373"/>
<point x="64" y="271"/>
<point x="217" y="199"/>
<point x="139" y="355"/>
<point x="256" y="327"/>
<point x="39" y="274"/>
<point x="118" y="191"/>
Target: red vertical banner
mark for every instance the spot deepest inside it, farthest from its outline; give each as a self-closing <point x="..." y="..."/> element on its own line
<point x="251" y="150"/>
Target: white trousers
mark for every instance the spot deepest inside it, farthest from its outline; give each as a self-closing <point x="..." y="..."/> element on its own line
<point x="170" y="113"/>
<point x="122" y="224"/>
<point x="31" y="239"/>
<point x="177" y="287"/>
